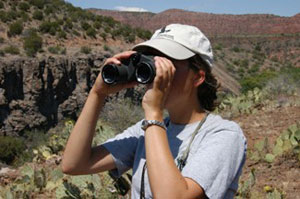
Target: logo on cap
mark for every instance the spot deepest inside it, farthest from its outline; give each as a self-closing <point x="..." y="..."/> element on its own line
<point x="164" y="34"/>
<point x="163" y="30"/>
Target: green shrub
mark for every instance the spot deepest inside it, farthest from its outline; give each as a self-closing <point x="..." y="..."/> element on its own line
<point x="12" y="50"/>
<point x="24" y="16"/>
<point x="254" y="69"/>
<point x="15" y="29"/>
<point x="24" y="6"/>
<point x="85" y="26"/>
<point x="10" y="148"/>
<point x="45" y="26"/>
<point x="236" y="49"/>
<point x="74" y="17"/>
<point x="130" y="38"/>
<point x="143" y="34"/>
<point x="49" y="10"/>
<point x="257" y="47"/>
<point x="38" y="15"/>
<point x="286" y="82"/>
<point x="49" y="27"/>
<point x="258" y="81"/>
<point x="218" y="46"/>
<point x="38" y="3"/>
<point x="99" y="18"/>
<point x="62" y="35"/>
<point x="74" y="32"/>
<point x="85" y="50"/>
<point x="109" y="21"/>
<point x="97" y="25"/>
<point x="1" y="40"/>
<point x="107" y="29"/>
<point x="3" y="16"/>
<point x="57" y="50"/>
<point x="115" y="33"/>
<point x="106" y="48"/>
<point x="60" y="22"/>
<point x="69" y="24"/>
<point x="244" y="63"/>
<point x="125" y="29"/>
<point x="103" y="35"/>
<point x="11" y="15"/>
<point x="52" y="31"/>
<point x="91" y="32"/>
<point x="54" y="49"/>
<point x="32" y="43"/>
<point x="2" y="53"/>
<point x="1" y="5"/>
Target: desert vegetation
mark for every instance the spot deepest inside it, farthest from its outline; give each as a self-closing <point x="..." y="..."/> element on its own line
<point x="267" y="108"/>
<point x="60" y="21"/>
<point x="37" y="158"/>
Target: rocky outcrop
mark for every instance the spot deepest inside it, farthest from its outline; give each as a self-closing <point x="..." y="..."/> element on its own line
<point x="37" y="93"/>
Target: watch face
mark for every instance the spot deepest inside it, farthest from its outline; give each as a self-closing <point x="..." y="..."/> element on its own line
<point x="144" y="124"/>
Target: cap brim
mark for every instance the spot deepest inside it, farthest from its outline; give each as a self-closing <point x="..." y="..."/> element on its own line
<point x="167" y="47"/>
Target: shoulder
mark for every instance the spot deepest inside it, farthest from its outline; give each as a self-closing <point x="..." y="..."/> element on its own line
<point x="216" y="126"/>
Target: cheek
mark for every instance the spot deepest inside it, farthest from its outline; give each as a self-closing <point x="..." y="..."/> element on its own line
<point x="182" y="83"/>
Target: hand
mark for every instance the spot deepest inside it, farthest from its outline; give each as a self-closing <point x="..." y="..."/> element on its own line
<point x="157" y="93"/>
<point x="103" y="89"/>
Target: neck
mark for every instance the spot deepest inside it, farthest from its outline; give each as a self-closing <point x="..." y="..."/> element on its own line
<point x="186" y="114"/>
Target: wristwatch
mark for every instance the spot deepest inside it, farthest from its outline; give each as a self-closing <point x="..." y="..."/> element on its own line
<point x="147" y="123"/>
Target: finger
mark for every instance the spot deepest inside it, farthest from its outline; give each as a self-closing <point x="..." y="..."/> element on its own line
<point x="163" y="73"/>
<point x="159" y="74"/>
<point x="124" y="55"/>
<point x="116" y="59"/>
<point x="166" y="67"/>
<point x="112" y="60"/>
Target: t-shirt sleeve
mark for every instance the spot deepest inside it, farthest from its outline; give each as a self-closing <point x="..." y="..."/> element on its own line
<point x="123" y="148"/>
<point x="217" y="161"/>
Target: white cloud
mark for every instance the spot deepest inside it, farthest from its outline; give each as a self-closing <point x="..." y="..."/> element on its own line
<point x="130" y="9"/>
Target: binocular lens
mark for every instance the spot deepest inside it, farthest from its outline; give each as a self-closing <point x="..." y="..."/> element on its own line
<point x="110" y="73"/>
<point x="138" y="67"/>
<point x="145" y="73"/>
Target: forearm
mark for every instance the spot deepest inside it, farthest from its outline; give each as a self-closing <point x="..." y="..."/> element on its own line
<point x="165" y="179"/>
<point x="78" y="149"/>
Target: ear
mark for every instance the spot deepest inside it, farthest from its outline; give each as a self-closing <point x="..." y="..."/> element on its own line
<point x="199" y="78"/>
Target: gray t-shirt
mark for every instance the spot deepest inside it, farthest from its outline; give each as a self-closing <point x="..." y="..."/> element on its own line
<point x="215" y="161"/>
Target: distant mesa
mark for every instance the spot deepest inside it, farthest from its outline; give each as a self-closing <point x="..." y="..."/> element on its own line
<point x="210" y="24"/>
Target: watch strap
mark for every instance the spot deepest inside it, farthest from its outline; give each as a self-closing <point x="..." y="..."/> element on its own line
<point x="147" y="123"/>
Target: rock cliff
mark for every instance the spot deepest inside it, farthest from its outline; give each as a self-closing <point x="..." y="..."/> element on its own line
<point x="37" y="93"/>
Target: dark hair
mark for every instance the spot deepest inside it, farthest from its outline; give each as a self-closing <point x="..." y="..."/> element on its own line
<point x="207" y="91"/>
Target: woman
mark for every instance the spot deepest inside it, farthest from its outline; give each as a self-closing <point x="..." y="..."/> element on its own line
<point x="190" y="154"/>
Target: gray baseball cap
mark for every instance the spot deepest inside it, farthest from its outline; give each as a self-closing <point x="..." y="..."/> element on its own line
<point x="179" y="42"/>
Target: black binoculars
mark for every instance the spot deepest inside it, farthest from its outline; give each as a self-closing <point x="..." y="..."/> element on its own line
<point x="138" y="67"/>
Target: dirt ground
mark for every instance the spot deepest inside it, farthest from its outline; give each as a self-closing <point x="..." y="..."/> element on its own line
<point x="284" y="172"/>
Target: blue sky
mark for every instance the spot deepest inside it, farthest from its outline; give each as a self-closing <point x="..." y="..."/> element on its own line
<point x="277" y="7"/>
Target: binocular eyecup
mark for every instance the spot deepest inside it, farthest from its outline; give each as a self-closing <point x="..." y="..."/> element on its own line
<point x="138" y="67"/>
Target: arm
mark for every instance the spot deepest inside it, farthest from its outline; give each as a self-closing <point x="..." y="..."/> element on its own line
<point x="165" y="179"/>
<point x="79" y="157"/>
